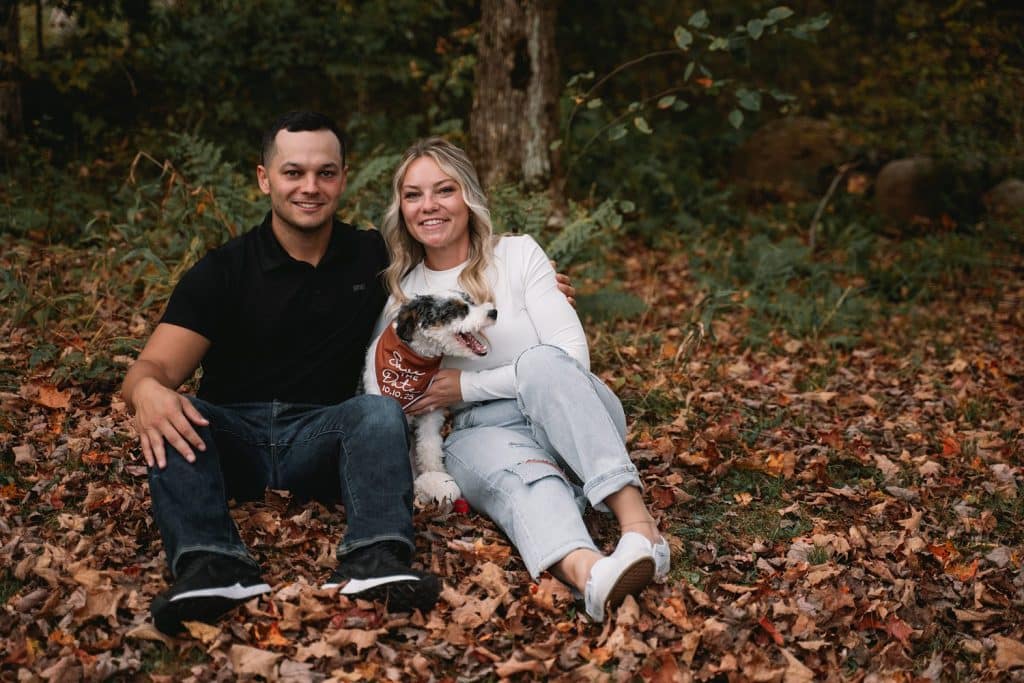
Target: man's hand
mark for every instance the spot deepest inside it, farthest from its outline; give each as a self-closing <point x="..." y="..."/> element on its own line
<point x="564" y="285"/>
<point x="164" y="414"/>
<point x="169" y="358"/>
<point x="445" y="390"/>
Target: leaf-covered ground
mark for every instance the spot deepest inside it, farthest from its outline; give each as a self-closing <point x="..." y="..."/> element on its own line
<point x="834" y="514"/>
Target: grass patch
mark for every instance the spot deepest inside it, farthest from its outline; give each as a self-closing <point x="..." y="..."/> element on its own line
<point x="854" y="275"/>
<point x="161" y="661"/>
<point x="1009" y="516"/>
<point x="723" y="516"/>
<point x="846" y="471"/>
<point x="9" y="586"/>
<point x="654" y="407"/>
<point x="975" y="412"/>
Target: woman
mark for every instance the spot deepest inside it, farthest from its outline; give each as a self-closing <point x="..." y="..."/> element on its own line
<point x="532" y="426"/>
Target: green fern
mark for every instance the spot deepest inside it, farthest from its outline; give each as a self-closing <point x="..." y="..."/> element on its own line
<point x="570" y="244"/>
<point x="369" y="190"/>
<point x="514" y="211"/>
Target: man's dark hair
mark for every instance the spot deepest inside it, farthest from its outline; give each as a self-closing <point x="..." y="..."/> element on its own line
<point x="297" y="121"/>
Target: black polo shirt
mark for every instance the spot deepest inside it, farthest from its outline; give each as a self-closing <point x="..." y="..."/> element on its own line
<point x="281" y="328"/>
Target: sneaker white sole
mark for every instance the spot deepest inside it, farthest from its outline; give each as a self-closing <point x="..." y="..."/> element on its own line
<point x="353" y="586"/>
<point x="235" y="592"/>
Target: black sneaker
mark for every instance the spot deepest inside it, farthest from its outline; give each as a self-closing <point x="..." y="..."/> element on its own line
<point x="380" y="573"/>
<point x="210" y="585"/>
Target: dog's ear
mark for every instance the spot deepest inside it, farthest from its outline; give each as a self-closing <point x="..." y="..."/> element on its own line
<point x="409" y="316"/>
<point x="454" y="309"/>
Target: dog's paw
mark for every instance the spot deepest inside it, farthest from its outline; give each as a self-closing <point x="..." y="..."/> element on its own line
<point x="436" y="487"/>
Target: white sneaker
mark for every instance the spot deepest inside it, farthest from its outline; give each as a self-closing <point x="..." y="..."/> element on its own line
<point x="624" y="572"/>
<point x="662" y="560"/>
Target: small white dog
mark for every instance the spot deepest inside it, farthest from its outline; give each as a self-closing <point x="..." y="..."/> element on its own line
<point x="403" y="360"/>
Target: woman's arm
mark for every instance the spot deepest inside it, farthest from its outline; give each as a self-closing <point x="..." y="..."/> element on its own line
<point x="553" y="317"/>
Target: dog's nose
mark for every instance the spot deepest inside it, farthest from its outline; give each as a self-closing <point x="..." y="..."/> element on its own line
<point x="493" y="314"/>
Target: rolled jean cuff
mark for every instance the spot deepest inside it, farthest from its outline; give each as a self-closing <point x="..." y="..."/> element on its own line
<point x="345" y="547"/>
<point x="235" y="553"/>
<point x="600" y="487"/>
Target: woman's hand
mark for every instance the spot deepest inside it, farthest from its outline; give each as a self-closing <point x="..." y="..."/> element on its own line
<point x="445" y="390"/>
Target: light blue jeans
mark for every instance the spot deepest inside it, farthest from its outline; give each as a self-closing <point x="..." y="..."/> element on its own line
<point x="524" y="462"/>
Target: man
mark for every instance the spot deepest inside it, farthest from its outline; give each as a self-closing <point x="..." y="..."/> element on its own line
<point x="279" y="318"/>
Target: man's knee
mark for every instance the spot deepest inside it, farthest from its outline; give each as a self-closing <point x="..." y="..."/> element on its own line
<point x="383" y="410"/>
<point x="206" y="409"/>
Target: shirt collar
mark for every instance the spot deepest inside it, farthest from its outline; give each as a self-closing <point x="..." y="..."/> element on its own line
<point x="272" y="255"/>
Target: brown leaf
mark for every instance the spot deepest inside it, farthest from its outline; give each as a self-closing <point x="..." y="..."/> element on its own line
<point x="46" y="395"/>
<point x="513" y="667"/>
<point x="250" y="660"/>
<point x="95" y="457"/>
<point x="321" y="649"/>
<point x="491" y="578"/>
<point x="101" y="602"/>
<point x="737" y="588"/>
<point x="146" y="631"/>
<point x="899" y="629"/>
<point x="272" y="637"/>
<point x="796" y="672"/>
<point x="204" y="633"/>
<point x="662" y="497"/>
<point x="361" y="638"/>
<point x="1009" y="652"/>
<point x="475" y="612"/>
<point x="963" y="571"/>
<point x="973" y="616"/>
<point x="548" y="593"/>
<point x="24" y="454"/>
<point x="819" y="396"/>
<point x="770" y="629"/>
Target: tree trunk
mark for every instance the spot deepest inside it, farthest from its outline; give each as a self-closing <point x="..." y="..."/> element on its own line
<point x="515" y="102"/>
<point x="10" y="61"/>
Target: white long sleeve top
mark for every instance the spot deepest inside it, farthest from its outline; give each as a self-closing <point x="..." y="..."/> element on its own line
<point x="531" y="311"/>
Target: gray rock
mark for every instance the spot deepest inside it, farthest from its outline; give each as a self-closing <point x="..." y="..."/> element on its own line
<point x="790" y="156"/>
<point x="901" y="189"/>
<point x="1006" y="200"/>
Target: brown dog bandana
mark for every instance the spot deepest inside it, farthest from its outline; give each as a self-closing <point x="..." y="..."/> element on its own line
<point x="402" y="373"/>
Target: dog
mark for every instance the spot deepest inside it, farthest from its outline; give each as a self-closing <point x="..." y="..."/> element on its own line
<point x="403" y="360"/>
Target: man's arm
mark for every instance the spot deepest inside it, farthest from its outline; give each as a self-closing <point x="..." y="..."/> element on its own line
<point x="564" y="284"/>
<point x="170" y="357"/>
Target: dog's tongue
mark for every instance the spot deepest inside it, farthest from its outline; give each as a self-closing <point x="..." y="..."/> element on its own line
<point x="472" y="343"/>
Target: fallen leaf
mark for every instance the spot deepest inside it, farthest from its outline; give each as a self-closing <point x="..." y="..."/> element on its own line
<point x="251" y="660"/>
<point x="272" y="637"/>
<point x="95" y="457"/>
<point x="1009" y="652"/>
<point x="361" y="638"/>
<point x="204" y="633"/>
<point x="770" y="629"/>
<point x="46" y="395"/>
<point x="796" y="672"/>
<point x="321" y="649"/>
<point x="147" y="631"/>
<point x="24" y="454"/>
<point x="899" y="630"/>
<point x="513" y="667"/>
<point x="491" y="578"/>
<point x="972" y="616"/>
<point x="963" y="571"/>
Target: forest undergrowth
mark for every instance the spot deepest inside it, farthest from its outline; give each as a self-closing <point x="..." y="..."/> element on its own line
<point x="840" y="486"/>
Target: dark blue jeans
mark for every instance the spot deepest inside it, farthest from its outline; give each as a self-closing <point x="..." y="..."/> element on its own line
<point x="356" y="452"/>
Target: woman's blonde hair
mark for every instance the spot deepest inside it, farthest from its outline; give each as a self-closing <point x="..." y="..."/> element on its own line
<point x="406" y="253"/>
